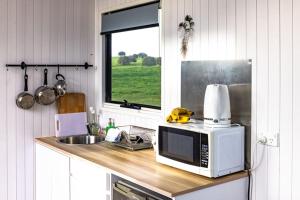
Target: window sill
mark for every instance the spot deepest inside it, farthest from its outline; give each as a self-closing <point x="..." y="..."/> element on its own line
<point x="144" y="112"/>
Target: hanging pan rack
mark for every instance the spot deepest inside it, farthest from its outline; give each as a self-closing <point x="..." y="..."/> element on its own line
<point x="23" y="65"/>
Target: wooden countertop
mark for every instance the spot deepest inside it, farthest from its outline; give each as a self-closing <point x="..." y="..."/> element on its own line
<point x="139" y="167"/>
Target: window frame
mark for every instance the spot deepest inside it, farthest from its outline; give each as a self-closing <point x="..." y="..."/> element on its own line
<point x="108" y="67"/>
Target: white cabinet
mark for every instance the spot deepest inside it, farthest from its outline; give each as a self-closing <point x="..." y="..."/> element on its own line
<point x="52" y="175"/>
<point x="232" y="190"/>
<point x="88" y="181"/>
<point x="59" y="177"/>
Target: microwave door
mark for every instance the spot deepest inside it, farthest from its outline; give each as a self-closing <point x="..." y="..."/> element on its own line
<point x="180" y="145"/>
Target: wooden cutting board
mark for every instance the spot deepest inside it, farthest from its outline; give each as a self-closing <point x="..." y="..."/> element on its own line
<point x="71" y="103"/>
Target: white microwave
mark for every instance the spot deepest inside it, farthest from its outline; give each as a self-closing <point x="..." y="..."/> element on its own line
<point x="211" y="152"/>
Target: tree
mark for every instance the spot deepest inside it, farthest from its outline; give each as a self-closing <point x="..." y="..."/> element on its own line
<point x="158" y="60"/>
<point x="142" y="55"/>
<point x="122" y="53"/>
<point x="149" y="61"/>
<point x="132" y="58"/>
<point x="124" y="60"/>
<point x="135" y="56"/>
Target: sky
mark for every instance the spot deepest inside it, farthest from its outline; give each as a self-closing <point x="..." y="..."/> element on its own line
<point x="137" y="41"/>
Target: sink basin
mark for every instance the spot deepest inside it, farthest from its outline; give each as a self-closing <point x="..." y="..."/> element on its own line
<point x="81" y="139"/>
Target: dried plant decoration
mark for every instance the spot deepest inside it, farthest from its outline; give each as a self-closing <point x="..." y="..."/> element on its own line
<point x="187" y="29"/>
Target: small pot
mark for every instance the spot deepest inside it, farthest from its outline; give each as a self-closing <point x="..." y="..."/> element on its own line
<point x="61" y="85"/>
<point x="45" y="95"/>
<point x="25" y="100"/>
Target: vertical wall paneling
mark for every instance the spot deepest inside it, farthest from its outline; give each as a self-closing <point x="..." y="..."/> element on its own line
<point x="28" y="121"/>
<point x="3" y="99"/>
<point x="91" y="52"/>
<point x="231" y="29"/>
<point x="241" y="12"/>
<point x="274" y="96"/>
<point x="84" y="45"/>
<point x="188" y="10"/>
<point x="11" y="130"/>
<point x="213" y="29"/>
<point x="77" y="47"/>
<point x="38" y="31"/>
<point x="46" y="30"/>
<point x="37" y="58"/>
<point x="171" y="50"/>
<point x="53" y="56"/>
<point x="222" y="28"/>
<point x="204" y="23"/>
<point x="176" y="73"/>
<point x="296" y="99"/>
<point x="70" y="37"/>
<point x="286" y="98"/>
<point x="262" y="94"/>
<point x="251" y="30"/>
<point x="20" y="134"/>
<point x="37" y="78"/>
<point x="197" y="30"/>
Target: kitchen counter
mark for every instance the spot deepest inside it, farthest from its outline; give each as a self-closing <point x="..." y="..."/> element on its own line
<point x="139" y="167"/>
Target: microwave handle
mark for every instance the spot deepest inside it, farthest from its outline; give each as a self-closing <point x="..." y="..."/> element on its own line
<point x="130" y="195"/>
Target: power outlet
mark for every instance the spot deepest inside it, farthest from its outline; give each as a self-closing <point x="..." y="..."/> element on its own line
<point x="270" y="140"/>
<point x="273" y="140"/>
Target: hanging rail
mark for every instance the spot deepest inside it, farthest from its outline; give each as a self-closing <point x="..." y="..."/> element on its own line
<point x="23" y="65"/>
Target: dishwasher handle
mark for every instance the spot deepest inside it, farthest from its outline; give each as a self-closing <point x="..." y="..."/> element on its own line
<point x="129" y="195"/>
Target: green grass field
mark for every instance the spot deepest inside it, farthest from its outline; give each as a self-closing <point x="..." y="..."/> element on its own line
<point x="136" y="83"/>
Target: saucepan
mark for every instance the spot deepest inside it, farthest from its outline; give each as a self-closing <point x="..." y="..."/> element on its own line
<point x="45" y="95"/>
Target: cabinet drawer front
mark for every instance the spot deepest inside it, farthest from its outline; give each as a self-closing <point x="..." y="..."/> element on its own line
<point x="87" y="177"/>
<point x="81" y="168"/>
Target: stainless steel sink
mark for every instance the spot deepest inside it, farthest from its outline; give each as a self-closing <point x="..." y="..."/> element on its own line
<point x="81" y="139"/>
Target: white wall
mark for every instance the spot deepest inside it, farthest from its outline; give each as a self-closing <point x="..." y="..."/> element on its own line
<point x="38" y="31"/>
<point x="266" y="31"/>
<point x="51" y="31"/>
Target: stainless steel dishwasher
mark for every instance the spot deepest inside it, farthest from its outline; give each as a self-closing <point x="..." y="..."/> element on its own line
<point x="125" y="191"/>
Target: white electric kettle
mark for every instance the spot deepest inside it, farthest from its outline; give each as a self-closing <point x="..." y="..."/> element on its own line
<point x="217" y="106"/>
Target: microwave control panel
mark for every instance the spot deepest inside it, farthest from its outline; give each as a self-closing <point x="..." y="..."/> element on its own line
<point x="204" y="149"/>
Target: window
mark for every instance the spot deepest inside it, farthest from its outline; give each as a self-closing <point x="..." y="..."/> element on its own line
<point x="133" y="64"/>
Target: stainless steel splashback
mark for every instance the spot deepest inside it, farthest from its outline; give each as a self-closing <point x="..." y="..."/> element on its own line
<point x="196" y="75"/>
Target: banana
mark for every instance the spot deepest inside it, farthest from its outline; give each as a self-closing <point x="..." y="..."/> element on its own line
<point x="182" y="111"/>
<point x="174" y="116"/>
<point x="169" y="119"/>
<point x="183" y="119"/>
<point x="179" y="115"/>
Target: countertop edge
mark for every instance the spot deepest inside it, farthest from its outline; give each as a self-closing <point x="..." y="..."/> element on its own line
<point x="232" y="177"/>
<point x="66" y="153"/>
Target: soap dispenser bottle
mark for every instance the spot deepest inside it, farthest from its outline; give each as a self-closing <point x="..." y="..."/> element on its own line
<point x="111" y="124"/>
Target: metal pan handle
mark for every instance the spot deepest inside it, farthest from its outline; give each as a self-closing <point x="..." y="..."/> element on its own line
<point x="25" y="82"/>
<point x="60" y="76"/>
<point x="45" y="77"/>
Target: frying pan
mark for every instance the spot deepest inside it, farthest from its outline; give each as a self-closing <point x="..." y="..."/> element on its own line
<point x="25" y="100"/>
<point x="45" y="95"/>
